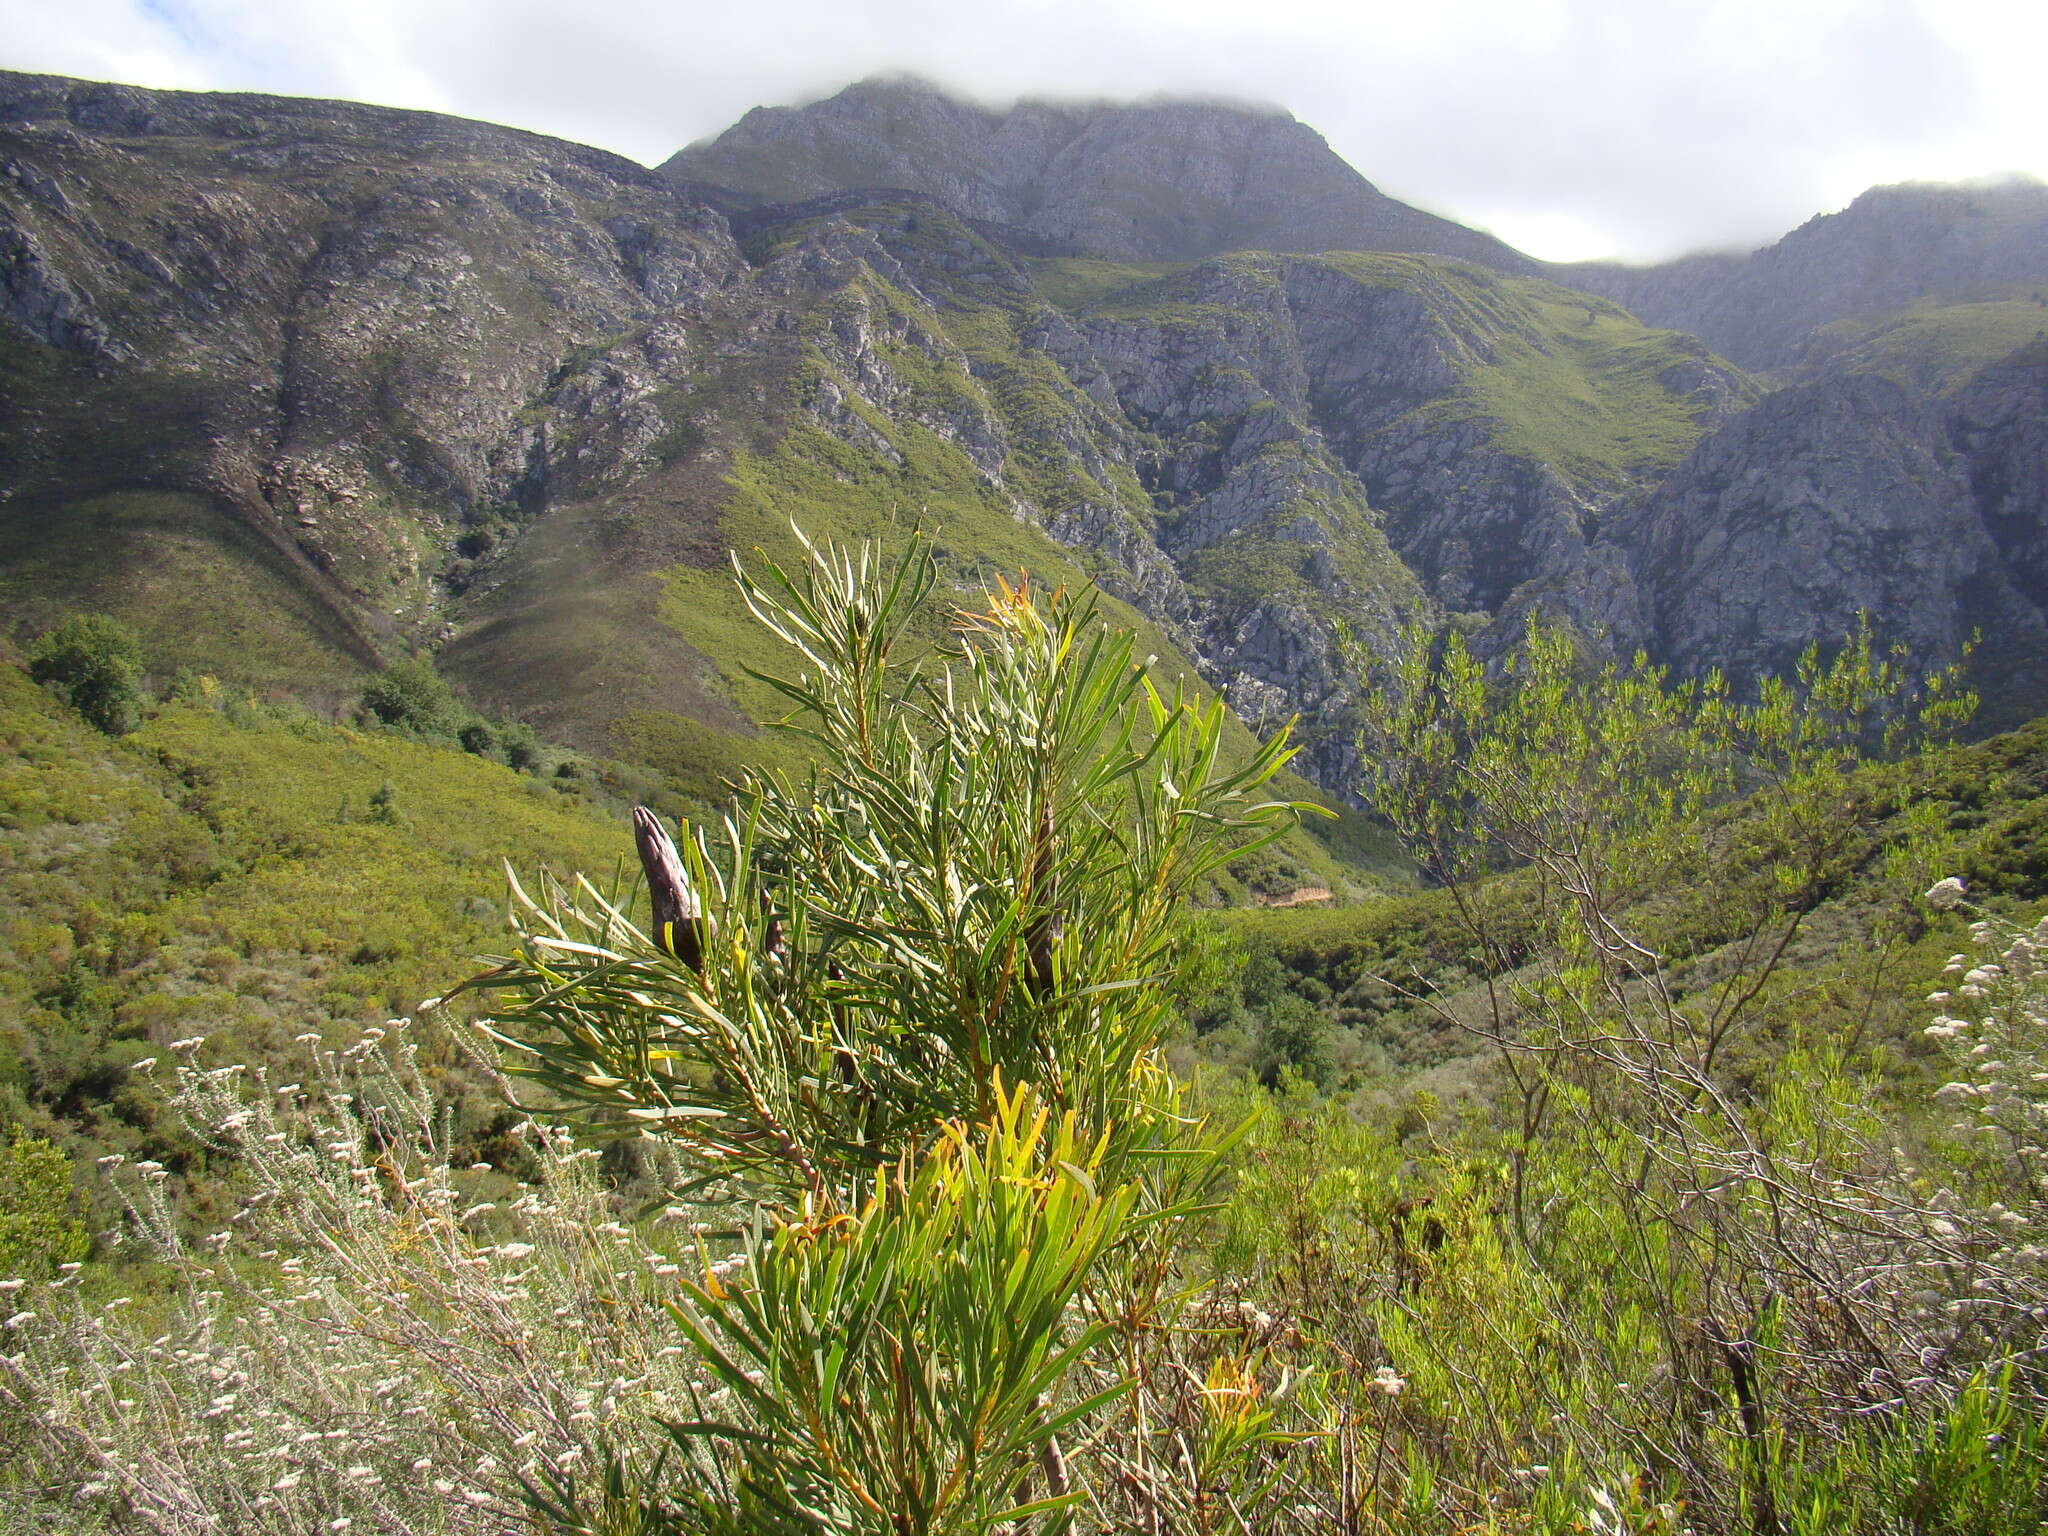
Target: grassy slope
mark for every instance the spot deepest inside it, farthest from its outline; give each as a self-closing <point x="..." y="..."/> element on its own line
<point x="1576" y="383"/>
<point x="1995" y="797"/>
<point x="104" y="525"/>
<point x="1074" y="282"/>
<point x="187" y="576"/>
<point x="221" y="872"/>
<point x="1938" y="343"/>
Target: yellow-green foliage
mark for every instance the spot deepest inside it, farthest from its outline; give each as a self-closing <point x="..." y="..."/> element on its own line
<point x="225" y="871"/>
<point x="39" y="1228"/>
<point x="1518" y="1380"/>
<point x="1938" y="343"/>
<point x="696" y="760"/>
<point x="1075" y="282"/>
<point x="1571" y="379"/>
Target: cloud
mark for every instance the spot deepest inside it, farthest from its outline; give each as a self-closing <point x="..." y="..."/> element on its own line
<point x="1644" y="129"/>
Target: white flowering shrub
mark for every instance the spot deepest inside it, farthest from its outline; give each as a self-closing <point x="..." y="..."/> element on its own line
<point x="1993" y="1028"/>
<point x="376" y="1340"/>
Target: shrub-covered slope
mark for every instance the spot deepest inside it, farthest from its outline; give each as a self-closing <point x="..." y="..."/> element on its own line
<point x="1357" y="992"/>
<point x="232" y="871"/>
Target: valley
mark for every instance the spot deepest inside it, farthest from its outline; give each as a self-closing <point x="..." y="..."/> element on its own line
<point x="1346" y="943"/>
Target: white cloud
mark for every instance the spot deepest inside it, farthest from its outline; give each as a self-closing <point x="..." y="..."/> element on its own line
<point x="1643" y="128"/>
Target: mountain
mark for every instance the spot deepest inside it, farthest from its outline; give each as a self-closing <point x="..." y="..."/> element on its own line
<point x="1154" y="181"/>
<point x="1891" y="248"/>
<point x="298" y="387"/>
<point x="1853" y="495"/>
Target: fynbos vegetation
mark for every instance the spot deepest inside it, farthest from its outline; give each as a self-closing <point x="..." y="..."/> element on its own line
<point x="849" y="1190"/>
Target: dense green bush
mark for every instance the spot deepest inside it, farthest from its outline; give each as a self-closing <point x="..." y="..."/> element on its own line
<point x="520" y="745"/>
<point x="95" y="662"/>
<point x="410" y="693"/>
<point x="39" y="1225"/>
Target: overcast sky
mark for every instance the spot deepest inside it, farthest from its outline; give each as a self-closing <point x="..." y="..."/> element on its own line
<point x="1572" y="128"/>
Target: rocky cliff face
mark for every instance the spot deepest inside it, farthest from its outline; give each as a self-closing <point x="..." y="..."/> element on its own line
<point x="1823" y="502"/>
<point x="1372" y="431"/>
<point x="1998" y="425"/>
<point x="1168" y="181"/>
<point x="1891" y="247"/>
<point x="299" y="385"/>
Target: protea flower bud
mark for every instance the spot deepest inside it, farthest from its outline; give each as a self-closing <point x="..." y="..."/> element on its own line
<point x="1048" y="925"/>
<point x="678" y="915"/>
<point x="849" y="1069"/>
<point x="773" y="944"/>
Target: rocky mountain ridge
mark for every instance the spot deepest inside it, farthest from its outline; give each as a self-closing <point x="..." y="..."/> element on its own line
<point x="299" y="385"/>
<point x="1890" y="248"/>
<point x="1150" y="181"/>
<point x="1183" y="180"/>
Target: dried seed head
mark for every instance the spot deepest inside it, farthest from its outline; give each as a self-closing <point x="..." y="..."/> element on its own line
<point x="678" y="916"/>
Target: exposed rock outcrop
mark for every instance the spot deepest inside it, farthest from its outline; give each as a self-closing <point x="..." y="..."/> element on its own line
<point x="1998" y="423"/>
<point x="1823" y="502"/>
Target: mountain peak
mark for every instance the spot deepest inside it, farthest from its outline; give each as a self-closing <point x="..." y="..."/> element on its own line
<point x="901" y="88"/>
<point x="1164" y="179"/>
<point x="2016" y="192"/>
<point x="1894" y="246"/>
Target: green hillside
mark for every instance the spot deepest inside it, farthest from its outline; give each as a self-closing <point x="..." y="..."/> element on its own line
<point x="1349" y="968"/>
<point x="1937" y="344"/>
<point x="1564" y="378"/>
<point x="1075" y="282"/>
<point x="249" y="870"/>
<point x="239" y="872"/>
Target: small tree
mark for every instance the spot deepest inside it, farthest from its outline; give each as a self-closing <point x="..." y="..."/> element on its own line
<point x="411" y="694"/>
<point x="95" y="662"/>
<point x="1631" y="860"/>
<point x="520" y="746"/>
<point x="39" y="1226"/>
<point x="477" y="737"/>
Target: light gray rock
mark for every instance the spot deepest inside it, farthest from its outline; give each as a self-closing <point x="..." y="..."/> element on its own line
<point x="1998" y="423"/>
<point x="1823" y="502"/>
